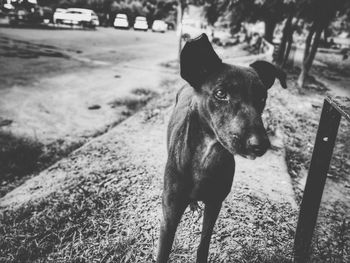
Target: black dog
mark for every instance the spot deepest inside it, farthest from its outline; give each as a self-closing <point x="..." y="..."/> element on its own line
<point x="219" y="116"/>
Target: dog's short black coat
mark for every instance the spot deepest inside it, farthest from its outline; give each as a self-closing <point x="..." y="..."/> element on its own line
<point x="216" y="116"/>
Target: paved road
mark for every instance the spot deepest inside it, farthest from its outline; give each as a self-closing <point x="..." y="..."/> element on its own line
<point x="48" y="97"/>
<point x="97" y="44"/>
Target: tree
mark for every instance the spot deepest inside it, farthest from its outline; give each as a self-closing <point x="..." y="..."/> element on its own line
<point x="270" y="12"/>
<point x="212" y="11"/>
<point x="287" y="36"/>
<point x="319" y="13"/>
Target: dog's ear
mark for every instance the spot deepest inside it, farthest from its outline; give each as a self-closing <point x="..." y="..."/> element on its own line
<point x="268" y="73"/>
<point x="197" y="60"/>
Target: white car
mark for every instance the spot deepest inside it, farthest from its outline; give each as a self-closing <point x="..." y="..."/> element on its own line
<point x="76" y="16"/>
<point x="159" y="26"/>
<point x="141" y="23"/>
<point x="121" y="21"/>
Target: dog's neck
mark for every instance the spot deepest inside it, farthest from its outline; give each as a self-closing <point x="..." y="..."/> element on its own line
<point x="200" y="132"/>
<point x="198" y="140"/>
<point x="200" y="127"/>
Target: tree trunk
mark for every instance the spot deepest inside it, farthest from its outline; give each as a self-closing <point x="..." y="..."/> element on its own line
<point x="310" y="52"/>
<point x="289" y="44"/>
<point x="308" y="42"/>
<point x="289" y="47"/>
<point x="302" y="76"/>
<point x="179" y="25"/>
<point x="287" y="31"/>
<point x="270" y="26"/>
<point x="325" y="36"/>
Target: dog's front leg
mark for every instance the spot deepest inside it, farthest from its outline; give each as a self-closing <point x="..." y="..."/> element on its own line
<point x="211" y="212"/>
<point x="173" y="208"/>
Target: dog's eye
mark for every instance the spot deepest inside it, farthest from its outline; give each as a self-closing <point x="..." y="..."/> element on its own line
<point x="221" y="94"/>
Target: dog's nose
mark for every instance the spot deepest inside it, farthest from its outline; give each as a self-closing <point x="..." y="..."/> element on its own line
<point x="257" y="145"/>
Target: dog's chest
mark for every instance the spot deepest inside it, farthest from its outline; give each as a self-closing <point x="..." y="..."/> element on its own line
<point x="212" y="172"/>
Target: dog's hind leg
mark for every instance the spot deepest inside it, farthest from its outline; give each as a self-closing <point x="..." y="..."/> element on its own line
<point x="211" y="212"/>
<point x="173" y="208"/>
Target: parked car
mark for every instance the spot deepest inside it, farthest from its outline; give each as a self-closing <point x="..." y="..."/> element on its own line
<point x="4" y="18"/>
<point x="76" y="16"/>
<point x="159" y="26"/>
<point x="33" y="16"/>
<point x="141" y="23"/>
<point x="57" y="13"/>
<point x="121" y="21"/>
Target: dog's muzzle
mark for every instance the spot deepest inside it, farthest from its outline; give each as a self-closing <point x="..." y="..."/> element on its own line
<point x="257" y="146"/>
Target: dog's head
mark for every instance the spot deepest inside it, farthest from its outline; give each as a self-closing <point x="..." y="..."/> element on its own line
<point x="230" y="99"/>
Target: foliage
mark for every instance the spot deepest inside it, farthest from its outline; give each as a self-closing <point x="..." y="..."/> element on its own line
<point x="238" y="11"/>
<point x="319" y="11"/>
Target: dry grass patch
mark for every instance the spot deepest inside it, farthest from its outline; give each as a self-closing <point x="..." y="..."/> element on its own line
<point x="74" y="226"/>
<point x="139" y="98"/>
<point x="21" y="157"/>
<point x="297" y="114"/>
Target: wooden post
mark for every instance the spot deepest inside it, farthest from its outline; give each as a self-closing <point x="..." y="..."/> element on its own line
<point x="321" y="157"/>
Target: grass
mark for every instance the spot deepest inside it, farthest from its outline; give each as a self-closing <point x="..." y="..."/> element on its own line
<point x="74" y="226"/>
<point x="257" y="231"/>
<point x="299" y="124"/>
<point x="332" y="236"/>
<point x="25" y="49"/>
<point x="336" y="65"/>
<point x="300" y="128"/>
<point x="84" y="224"/>
<point x="138" y="99"/>
<point x="94" y="221"/>
<point x="21" y="157"/>
<point x="172" y="64"/>
<point x="18" y="156"/>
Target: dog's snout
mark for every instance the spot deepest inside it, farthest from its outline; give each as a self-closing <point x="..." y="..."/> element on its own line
<point x="258" y="145"/>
